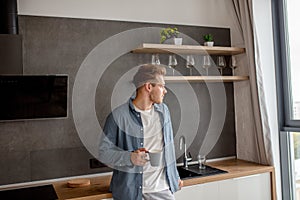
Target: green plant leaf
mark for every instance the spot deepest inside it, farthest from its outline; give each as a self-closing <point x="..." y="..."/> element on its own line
<point x="167" y="33"/>
<point x="208" y="37"/>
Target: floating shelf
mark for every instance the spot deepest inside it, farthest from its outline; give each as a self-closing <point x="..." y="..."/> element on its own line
<point x="177" y="79"/>
<point x="187" y="49"/>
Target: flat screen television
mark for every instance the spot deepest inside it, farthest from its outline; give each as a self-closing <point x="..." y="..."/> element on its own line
<point x="33" y="97"/>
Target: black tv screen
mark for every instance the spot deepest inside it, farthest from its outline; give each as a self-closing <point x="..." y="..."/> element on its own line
<point x="33" y="97"/>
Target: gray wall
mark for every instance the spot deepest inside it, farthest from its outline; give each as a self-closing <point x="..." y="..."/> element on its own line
<point x="44" y="149"/>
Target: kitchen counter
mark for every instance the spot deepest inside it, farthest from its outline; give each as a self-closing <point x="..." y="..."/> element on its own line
<point x="99" y="185"/>
<point x="98" y="189"/>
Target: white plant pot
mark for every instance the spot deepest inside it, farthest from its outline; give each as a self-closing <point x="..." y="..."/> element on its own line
<point x="210" y="44"/>
<point x="178" y="41"/>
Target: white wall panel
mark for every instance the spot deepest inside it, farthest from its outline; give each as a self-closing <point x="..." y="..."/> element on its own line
<point x="216" y="13"/>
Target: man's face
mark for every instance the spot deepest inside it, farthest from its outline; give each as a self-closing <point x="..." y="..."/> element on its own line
<point x="158" y="91"/>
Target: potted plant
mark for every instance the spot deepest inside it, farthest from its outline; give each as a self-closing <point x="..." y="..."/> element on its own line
<point x="170" y="33"/>
<point x="209" y="40"/>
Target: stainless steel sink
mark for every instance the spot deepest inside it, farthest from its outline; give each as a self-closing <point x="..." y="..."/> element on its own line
<point x="194" y="171"/>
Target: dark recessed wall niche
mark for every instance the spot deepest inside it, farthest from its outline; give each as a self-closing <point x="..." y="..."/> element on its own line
<point x="47" y="149"/>
<point x="10" y="54"/>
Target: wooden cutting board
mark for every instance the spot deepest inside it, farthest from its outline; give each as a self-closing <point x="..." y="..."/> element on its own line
<point x="79" y="183"/>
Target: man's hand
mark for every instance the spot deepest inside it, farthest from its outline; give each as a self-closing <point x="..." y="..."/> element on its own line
<point x="138" y="157"/>
<point x="180" y="184"/>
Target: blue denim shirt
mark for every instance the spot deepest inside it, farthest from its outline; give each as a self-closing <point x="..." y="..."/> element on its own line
<point x="123" y="133"/>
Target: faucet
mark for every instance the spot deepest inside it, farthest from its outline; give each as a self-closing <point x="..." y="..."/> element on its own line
<point x="185" y="158"/>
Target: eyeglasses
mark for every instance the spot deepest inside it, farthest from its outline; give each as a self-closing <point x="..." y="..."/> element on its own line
<point x="159" y="85"/>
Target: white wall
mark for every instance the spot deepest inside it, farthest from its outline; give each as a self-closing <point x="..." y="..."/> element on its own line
<point x="214" y="13"/>
<point x="263" y="25"/>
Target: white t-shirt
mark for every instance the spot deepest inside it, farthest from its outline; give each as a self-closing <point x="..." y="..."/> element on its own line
<point x="154" y="178"/>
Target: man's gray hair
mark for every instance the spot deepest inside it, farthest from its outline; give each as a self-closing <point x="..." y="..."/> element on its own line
<point x="148" y="73"/>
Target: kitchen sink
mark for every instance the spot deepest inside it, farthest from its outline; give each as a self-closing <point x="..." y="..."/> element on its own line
<point x="194" y="171"/>
<point x="184" y="174"/>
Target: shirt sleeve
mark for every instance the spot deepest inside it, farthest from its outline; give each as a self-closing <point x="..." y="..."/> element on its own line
<point x="109" y="152"/>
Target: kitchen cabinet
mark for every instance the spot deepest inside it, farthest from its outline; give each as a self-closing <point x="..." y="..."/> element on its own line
<point x="201" y="191"/>
<point x="251" y="187"/>
<point x="196" y="50"/>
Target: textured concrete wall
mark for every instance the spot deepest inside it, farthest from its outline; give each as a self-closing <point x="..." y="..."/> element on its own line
<point x="45" y="149"/>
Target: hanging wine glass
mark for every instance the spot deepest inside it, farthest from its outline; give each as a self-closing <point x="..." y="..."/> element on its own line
<point x="221" y="64"/>
<point x="172" y="63"/>
<point x="190" y="63"/>
<point x="233" y="65"/>
<point x="155" y="59"/>
<point x="206" y="63"/>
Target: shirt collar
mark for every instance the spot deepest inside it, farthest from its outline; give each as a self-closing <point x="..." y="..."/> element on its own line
<point x="157" y="107"/>
<point x="131" y="106"/>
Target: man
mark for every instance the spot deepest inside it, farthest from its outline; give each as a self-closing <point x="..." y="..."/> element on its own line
<point x="134" y="128"/>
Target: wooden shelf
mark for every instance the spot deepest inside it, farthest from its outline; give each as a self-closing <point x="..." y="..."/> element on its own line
<point x="178" y="79"/>
<point x="187" y="49"/>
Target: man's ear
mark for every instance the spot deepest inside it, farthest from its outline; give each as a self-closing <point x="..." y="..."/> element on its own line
<point x="148" y="86"/>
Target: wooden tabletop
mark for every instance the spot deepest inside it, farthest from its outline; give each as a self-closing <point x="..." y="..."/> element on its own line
<point x="100" y="185"/>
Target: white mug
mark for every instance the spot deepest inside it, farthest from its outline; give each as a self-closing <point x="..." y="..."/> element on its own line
<point x="155" y="157"/>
